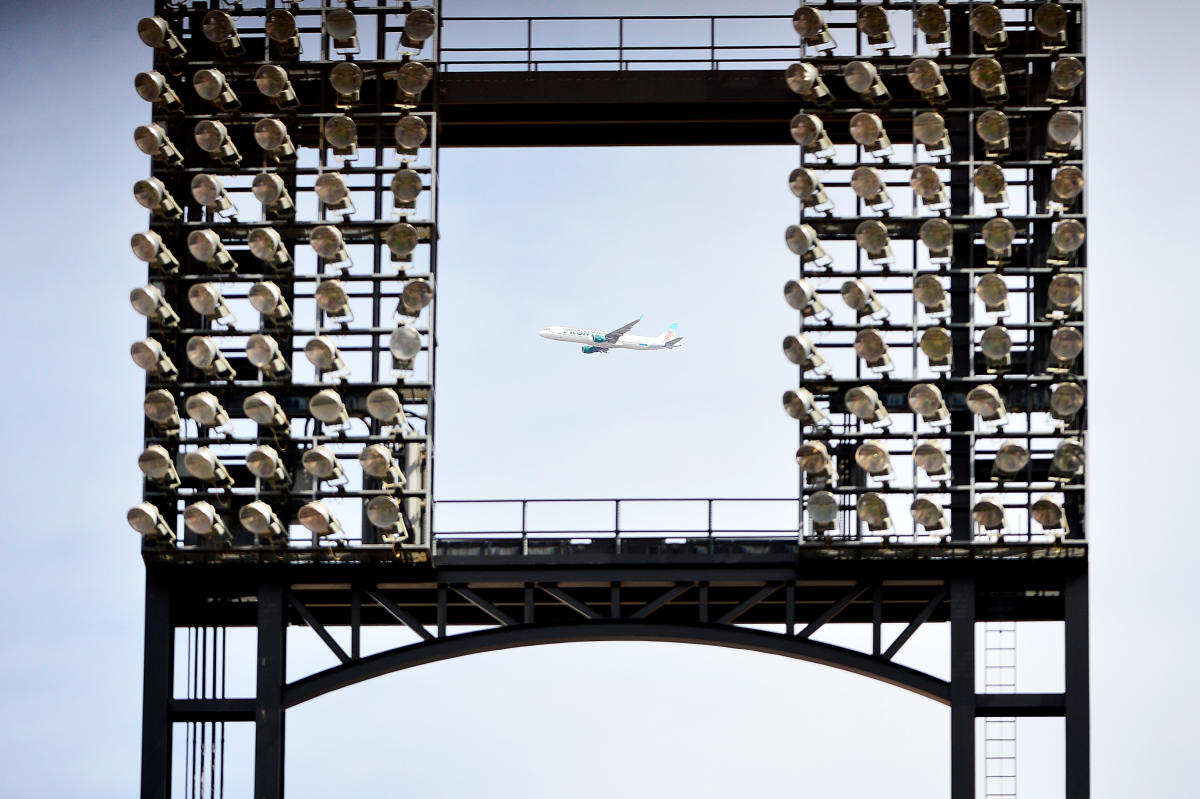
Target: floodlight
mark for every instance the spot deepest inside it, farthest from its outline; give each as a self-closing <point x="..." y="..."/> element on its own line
<point x="211" y="85"/>
<point x="869" y="346"/>
<point x="1065" y="77"/>
<point x="419" y="26"/>
<point x="932" y="22"/>
<point x="327" y="242"/>
<point x="925" y="400"/>
<point x="823" y="510"/>
<point x="1050" y="19"/>
<point x="993" y="291"/>
<point x="262" y="408"/>
<point x="321" y="463"/>
<point x="156" y="32"/>
<point x="929" y="128"/>
<point x="266" y="298"/>
<point x="992" y="127"/>
<point x="816" y="464"/>
<point x="926" y="77"/>
<point x="273" y="83"/>
<point x="803" y="241"/>
<point x="410" y="134"/>
<point x="377" y="461"/>
<point x="873" y="23"/>
<point x="996" y="346"/>
<point x="1048" y="512"/>
<point x="267" y="245"/>
<point x="149" y="355"/>
<point x="161" y="410"/>
<point x="932" y="296"/>
<point x="153" y="88"/>
<point x="384" y="405"/>
<point x="202" y="519"/>
<point x="411" y="79"/>
<point x="1064" y="297"/>
<point x="869" y="186"/>
<point x="928" y="514"/>
<point x="158" y="467"/>
<point x="987" y="22"/>
<point x="346" y="78"/>
<point x="152" y="195"/>
<point x="205" y="410"/>
<point x="801" y="295"/>
<point x="863" y="79"/>
<point x="986" y="403"/>
<point x="323" y="353"/>
<point x="1068" y="461"/>
<point x="809" y="132"/>
<point x="264" y="463"/>
<point x="800" y="350"/>
<point x="331" y="189"/>
<point x="859" y="295"/>
<point x="404" y="343"/>
<point x="415" y="295"/>
<point x="805" y="80"/>
<point x="801" y="405"/>
<point x="203" y="463"/>
<point x="927" y="184"/>
<point x="270" y="190"/>
<point x="342" y="135"/>
<point x="326" y="406"/>
<point x="206" y="300"/>
<point x="407" y="186"/>
<point x="205" y="246"/>
<point x="937" y="235"/>
<point x="152" y="140"/>
<point x="873" y="510"/>
<point x="989" y="514"/>
<point x="864" y="403"/>
<point x="343" y="29"/>
<point x="283" y="33"/>
<point x="149" y="302"/>
<point x="317" y="518"/>
<point x="258" y="518"/>
<point x="998" y="234"/>
<point x="384" y="513"/>
<point x="1065" y="240"/>
<point x="1011" y="460"/>
<point x="931" y="459"/>
<point x="1065" y="186"/>
<point x="145" y="518"/>
<point x="272" y="136"/>
<point x="1064" y="134"/>
<point x="867" y="131"/>
<point x="989" y="180"/>
<point x="204" y="354"/>
<point x="401" y="239"/>
<point x="1065" y="346"/>
<point x="810" y="24"/>
<point x="1066" y="400"/>
<point x="208" y="191"/>
<point x="264" y="353"/>
<point x="218" y="28"/>
<point x="332" y="298"/>
<point x="872" y="457"/>
<point x="938" y="347"/>
<point x="987" y="75"/>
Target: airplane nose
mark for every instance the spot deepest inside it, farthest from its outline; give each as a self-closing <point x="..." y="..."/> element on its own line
<point x="544" y="332"/>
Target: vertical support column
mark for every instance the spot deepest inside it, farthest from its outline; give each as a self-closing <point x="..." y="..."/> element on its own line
<point x="268" y="710"/>
<point x="962" y="687"/>
<point x="1078" y="734"/>
<point x="157" y="678"/>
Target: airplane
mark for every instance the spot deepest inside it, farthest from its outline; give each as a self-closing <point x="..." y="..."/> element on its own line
<point x="598" y="341"/>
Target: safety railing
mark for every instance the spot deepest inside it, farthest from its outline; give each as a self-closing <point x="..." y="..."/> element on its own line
<point x="530" y="44"/>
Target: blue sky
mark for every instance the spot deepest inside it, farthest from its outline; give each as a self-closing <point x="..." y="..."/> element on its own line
<point x="588" y="237"/>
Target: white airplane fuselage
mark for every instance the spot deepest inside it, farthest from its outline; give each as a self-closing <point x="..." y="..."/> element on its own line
<point x="596" y="338"/>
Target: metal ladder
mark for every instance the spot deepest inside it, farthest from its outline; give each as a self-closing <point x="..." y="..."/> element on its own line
<point x="1000" y="734"/>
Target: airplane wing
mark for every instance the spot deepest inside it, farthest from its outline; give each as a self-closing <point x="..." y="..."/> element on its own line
<point x="620" y="331"/>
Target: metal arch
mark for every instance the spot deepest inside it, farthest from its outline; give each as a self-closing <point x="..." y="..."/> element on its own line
<point x="496" y="639"/>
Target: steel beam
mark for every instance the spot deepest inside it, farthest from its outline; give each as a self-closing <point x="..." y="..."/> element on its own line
<point x="962" y="688"/>
<point x="157" y="675"/>
<point x="1078" y="723"/>
<point x="269" y="707"/>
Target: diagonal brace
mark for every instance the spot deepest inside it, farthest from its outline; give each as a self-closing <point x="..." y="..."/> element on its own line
<point x="397" y="613"/>
<point x="834" y="609"/>
<point x="318" y="628"/>
<point x="570" y="601"/>
<point x="757" y="597"/>
<point x="481" y="603"/>
<point x="654" y="605"/>
<point x="916" y="623"/>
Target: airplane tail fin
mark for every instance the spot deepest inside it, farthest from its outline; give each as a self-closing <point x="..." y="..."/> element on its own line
<point x="670" y="337"/>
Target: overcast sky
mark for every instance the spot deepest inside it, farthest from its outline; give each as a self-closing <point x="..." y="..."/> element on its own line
<point x="594" y="238"/>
